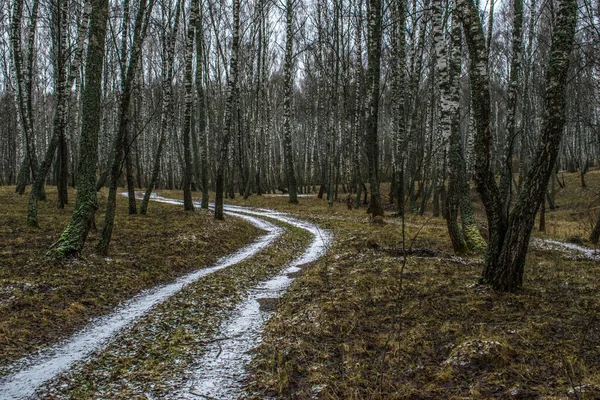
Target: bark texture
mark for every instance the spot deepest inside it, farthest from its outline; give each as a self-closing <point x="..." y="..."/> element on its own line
<point x="73" y="238"/>
<point x="374" y="15"/>
<point x="229" y="111"/>
<point x="509" y="236"/>
<point x="287" y="104"/>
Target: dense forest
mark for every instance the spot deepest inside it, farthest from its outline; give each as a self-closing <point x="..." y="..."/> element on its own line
<point x="456" y="116"/>
<point x="329" y="97"/>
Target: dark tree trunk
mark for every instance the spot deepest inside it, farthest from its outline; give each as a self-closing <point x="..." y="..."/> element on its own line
<point x="287" y="105"/>
<point x="167" y="66"/>
<point x="374" y="15"/>
<point x="73" y="238"/>
<point x="63" y="172"/>
<point x="229" y="111"/>
<point x="188" y="166"/>
<point x="121" y="145"/>
<point x="201" y="110"/>
<point x="509" y="237"/>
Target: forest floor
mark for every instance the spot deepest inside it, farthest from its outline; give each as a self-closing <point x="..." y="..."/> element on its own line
<point x="353" y="325"/>
<point x="42" y="301"/>
<point x="357" y="325"/>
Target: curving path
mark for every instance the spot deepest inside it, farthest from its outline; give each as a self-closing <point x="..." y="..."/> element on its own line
<point x="219" y="374"/>
<point x="569" y="249"/>
<point x="217" y="377"/>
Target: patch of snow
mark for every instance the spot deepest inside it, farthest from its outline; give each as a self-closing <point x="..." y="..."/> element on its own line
<point x="221" y="370"/>
<point x="565" y="247"/>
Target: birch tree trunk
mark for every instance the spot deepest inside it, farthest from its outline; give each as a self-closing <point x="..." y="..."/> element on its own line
<point x="73" y="238"/>
<point x="23" y="74"/>
<point x="398" y="10"/>
<point x="63" y="81"/>
<point x="121" y="143"/>
<point x="188" y="166"/>
<point x="358" y="140"/>
<point x="126" y="145"/>
<point x="287" y="103"/>
<point x="372" y="113"/>
<point x="447" y="71"/>
<point x="513" y="90"/>
<point x="465" y="238"/>
<point x="201" y="109"/>
<point x="167" y="89"/>
<point x="59" y="21"/>
<point x="229" y="111"/>
<point x="509" y="236"/>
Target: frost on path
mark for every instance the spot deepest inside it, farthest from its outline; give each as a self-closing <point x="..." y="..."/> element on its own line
<point x="219" y="374"/>
<point x="566" y="247"/>
<point x="30" y="373"/>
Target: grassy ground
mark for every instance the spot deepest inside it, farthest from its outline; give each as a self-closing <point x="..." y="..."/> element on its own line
<point x="154" y="356"/>
<point x="354" y="325"/>
<point x="42" y="302"/>
<point x="357" y="326"/>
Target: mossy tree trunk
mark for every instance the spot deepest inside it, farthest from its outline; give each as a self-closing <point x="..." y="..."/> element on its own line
<point x="509" y="235"/>
<point x="63" y="172"/>
<point x="465" y="237"/>
<point x="595" y="236"/>
<point x="450" y="103"/>
<point x="73" y="238"/>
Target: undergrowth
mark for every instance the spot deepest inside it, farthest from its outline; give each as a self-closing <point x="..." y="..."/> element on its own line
<point x="346" y="329"/>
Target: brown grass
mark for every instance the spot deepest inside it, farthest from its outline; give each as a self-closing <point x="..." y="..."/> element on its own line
<point x="347" y="330"/>
<point x="42" y="302"/>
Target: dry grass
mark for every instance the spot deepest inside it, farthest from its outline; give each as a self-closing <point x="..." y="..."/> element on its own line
<point x="157" y="353"/>
<point x="347" y="330"/>
<point x="42" y="302"/>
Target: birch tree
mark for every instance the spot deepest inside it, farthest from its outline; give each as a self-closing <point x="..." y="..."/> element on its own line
<point x="23" y="71"/>
<point x="374" y="16"/>
<point x="121" y="145"/>
<point x="73" y="238"/>
<point x="64" y="77"/>
<point x="188" y="167"/>
<point x="229" y="111"/>
<point x="509" y="235"/>
<point x="169" y="40"/>
<point x="287" y="102"/>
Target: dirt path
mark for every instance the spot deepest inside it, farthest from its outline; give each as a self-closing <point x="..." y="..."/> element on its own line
<point x="220" y="372"/>
<point x="569" y="249"/>
<point x="33" y="372"/>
